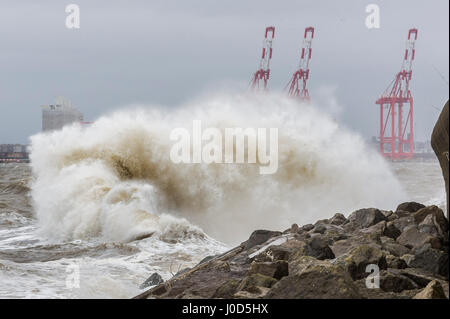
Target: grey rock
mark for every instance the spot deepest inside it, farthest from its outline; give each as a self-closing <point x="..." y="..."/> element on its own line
<point x="307" y="227"/>
<point x="277" y="269"/>
<point x="430" y="259"/>
<point x="154" y="279"/>
<point x="259" y="237"/>
<point x="395" y="262"/>
<point x="391" y="231"/>
<point x="438" y="217"/>
<point x="314" y="279"/>
<point x="390" y="281"/>
<point x="404" y="222"/>
<point x="411" y="237"/>
<point x="410" y="207"/>
<point x="433" y="290"/>
<point x="320" y="229"/>
<point x="338" y="219"/>
<point x="357" y="260"/>
<point x="366" y="217"/>
<point x="318" y="248"/>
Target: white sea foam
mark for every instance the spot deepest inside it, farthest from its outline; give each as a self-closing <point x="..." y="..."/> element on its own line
<point x="115" y="179"/>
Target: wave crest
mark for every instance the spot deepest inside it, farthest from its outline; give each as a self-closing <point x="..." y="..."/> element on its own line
<point x="115" y="179"/>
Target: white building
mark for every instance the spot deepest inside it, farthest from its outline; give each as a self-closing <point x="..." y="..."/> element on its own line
<point x="56" y="116"/>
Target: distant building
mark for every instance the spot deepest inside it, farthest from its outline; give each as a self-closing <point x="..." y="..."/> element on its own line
<point x="13" y="153"/>
<point x="60" y="114"/>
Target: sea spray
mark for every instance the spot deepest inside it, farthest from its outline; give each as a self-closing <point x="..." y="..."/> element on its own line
<point x="115" y="178"/>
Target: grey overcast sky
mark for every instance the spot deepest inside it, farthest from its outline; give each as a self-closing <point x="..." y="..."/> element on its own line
<point x="168" y="52"/>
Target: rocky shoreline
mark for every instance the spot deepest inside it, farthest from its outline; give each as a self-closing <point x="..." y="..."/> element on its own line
<point x="336" y="258"/>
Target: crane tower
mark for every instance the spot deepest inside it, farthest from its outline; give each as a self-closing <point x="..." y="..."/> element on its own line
<point x="263" y="73"/>
<point x="297" y="84"/>
<point x="396" y="129"/>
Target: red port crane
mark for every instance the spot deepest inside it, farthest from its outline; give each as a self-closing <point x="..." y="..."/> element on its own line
<point x="263" y="73"/>
<point x="399" y="142"/>
<point x="297" y="85"/>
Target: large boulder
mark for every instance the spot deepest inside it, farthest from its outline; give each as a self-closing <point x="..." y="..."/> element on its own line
<point x="395" y="262"/>
<point x="403" y="222"/>
<point x="440" y="144"/>
<point x="318" y="248"/>
<point x="274" y="253"/>
<point x="391" y="230"/>
<point x="395" y="282"/>
<point x="393" y="247"/>
<point x="437" y="218"/>
<point x="277" y="269"/>
<point x="411" y="237"/>
<point x="366" y="217"/>
<point x="259" y="237"/>
<point x="429" y="259"/>
<point x="433" y="290"/>
<point x="344" y="246"/>
<point x="227" y="289"/>
<point x="338" y="219"/>
<point x="315" y="279"/>
<point x="410" y="207"/>
<point x="357" y="260"/>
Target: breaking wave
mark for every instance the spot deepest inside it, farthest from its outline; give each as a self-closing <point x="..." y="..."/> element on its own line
<point x="115" y="179"/>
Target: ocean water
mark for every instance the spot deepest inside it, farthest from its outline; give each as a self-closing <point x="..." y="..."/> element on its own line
<point x="104" y="206"/>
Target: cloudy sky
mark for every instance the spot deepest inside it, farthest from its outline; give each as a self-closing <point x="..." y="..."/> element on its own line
<point x="169" y="52"/>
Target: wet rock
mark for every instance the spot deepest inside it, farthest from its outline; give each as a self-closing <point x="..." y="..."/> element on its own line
<point x="274" y="253"/>
<point x="377" y="293"/>
<point x="307" y="227"/>
<point x="432" y="291"/>
<point x="392" y="217"/>
<point x="256" y="280"/>
<point x="338" y="219"/>
<point x="228" y="289"/>
<point x="430" y="259"/>
<point x="390" y="281"/>
<point x="255" y="293"/>
<point x="387" y="213"/>
<point x="358" y="259"/>
<point x="315" y="279"/>
<point x="326" y="260"/>
<point x="293" y="245"/>
<point x="395" y="262"/>
<point x="375" y="231"/>
<point x="402" y="213"/>
<point x="410" y="207"/>
<point x="407" y="258"/>
<point x="207" y="258"/>
<point x="277" y="270"/>
<point x="333" y="234"/>
<point x="322" y="221"/>
<point x="422" y="277"/>
<point x="390" y="245"/>
<point x="366" y="217"/>
<point x="182" y="271"/>
<point x="428" y="226"/>
<point x="404" y="222"/>
<point x="320" y="229"/>
<point x="438" y="218"/>
<point x="294" y="228"/>
<point x="342" y="247"/>
<point x="259" y="237"/>
<point x="411" y="237"/>
<point x="391" y="231"/>
<point x="318" y="248"/>
<point x="154" y="279"/>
